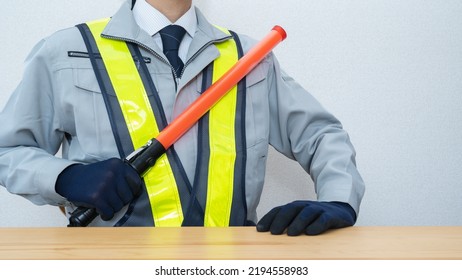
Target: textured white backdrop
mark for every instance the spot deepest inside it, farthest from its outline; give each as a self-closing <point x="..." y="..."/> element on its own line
<point x="390" y="70"/>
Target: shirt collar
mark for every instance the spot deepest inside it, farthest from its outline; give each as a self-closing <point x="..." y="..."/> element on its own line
<point x="152" y="21"/>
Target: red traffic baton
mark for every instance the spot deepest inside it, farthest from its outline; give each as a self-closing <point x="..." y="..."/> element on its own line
<point x="222" y="86"/>
<point x="146" y="157"/>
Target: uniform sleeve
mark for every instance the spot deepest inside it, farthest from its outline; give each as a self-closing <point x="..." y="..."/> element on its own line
<point x="303" y="130"/>
<point x="30" y="135"/>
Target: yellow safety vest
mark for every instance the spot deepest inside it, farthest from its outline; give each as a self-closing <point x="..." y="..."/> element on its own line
<point x="217" y="195"/>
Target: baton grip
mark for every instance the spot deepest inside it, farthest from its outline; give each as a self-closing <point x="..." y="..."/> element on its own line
<point x="141" y="162"/>
<point x="82" y="216"/>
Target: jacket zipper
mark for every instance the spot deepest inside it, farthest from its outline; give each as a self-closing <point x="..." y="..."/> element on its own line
<point x="147" y="48"/>
<point x="164" y="60"/>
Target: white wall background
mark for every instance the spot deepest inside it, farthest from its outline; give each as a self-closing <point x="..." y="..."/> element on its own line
<point x="390" y="70"/>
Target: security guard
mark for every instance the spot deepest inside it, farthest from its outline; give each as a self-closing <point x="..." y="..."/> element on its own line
<point x="100" y="90"/>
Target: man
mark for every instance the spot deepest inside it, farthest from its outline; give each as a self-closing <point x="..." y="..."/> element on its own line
<point x="102" y="89"/>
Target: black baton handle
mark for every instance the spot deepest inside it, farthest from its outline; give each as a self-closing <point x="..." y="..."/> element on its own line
<point x="142" y="160"/>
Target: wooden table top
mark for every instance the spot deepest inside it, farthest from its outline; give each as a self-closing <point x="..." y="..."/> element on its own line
<point x="238" y="243"/>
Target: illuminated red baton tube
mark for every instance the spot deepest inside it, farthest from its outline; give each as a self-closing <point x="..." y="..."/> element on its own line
<point x="215" y="92"/>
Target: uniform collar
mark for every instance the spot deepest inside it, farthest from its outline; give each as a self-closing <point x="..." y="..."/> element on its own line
<point x="123" y="26"/>
<point x="152" y="21"/>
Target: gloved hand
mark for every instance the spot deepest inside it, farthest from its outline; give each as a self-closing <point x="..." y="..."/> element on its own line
<point x="309" y="217"/>
<point x="106" y="185"/>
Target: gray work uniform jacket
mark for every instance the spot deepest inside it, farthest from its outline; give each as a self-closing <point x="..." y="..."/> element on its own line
<point x="58" y="104"/>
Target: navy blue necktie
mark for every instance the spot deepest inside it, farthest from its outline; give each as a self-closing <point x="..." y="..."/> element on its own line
<point x="171" y="39"/>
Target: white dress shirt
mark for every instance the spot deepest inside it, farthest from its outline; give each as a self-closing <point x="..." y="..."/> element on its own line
<point x="152" y="21"/>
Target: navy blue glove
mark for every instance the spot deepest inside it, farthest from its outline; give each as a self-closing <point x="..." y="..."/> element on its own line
<point x="106" y="185"/>
<point x="309" y="217"/>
